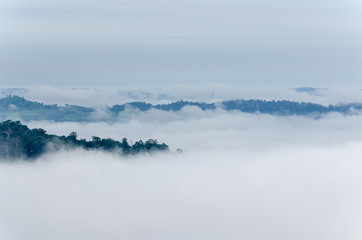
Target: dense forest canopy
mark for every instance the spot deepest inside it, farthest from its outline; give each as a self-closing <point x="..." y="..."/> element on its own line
<point x="18" y="141"/>
<point x="14" y="107"/>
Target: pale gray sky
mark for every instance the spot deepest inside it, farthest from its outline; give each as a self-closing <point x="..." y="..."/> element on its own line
<point x="83" y="43"/>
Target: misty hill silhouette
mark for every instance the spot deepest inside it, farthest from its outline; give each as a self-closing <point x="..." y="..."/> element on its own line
<point x="14" y="107"/>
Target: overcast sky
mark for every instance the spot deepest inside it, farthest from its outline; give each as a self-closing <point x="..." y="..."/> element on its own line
<point x="79" y="43"/>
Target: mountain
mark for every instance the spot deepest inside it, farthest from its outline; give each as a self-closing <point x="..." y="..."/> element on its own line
<point x="18" y="141"/>
<point x="14" y="107"/>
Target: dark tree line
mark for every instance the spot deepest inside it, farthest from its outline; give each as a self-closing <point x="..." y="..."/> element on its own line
<point x="18" y="141"/>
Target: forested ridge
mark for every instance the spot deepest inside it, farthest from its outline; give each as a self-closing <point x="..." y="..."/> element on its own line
<point x="14" y="107"/>
<point x="18" y="141"/>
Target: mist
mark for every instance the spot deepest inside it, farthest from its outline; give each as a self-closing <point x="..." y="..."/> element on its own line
<point x="241" y="176"/>
<point x="294" y="193"/>
<point x="118" y="42"/>
<point x="193" y="129"/>
<point x="319" y="93"/>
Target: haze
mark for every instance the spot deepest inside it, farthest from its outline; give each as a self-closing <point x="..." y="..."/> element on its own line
<point x="241" y="176"/>
<point x="117" y="42"/>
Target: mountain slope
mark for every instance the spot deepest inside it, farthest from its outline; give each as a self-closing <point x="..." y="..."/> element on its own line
<point x="13" y="107"/>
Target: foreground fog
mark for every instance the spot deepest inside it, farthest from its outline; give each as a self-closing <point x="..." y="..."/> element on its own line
<point x="302" y="193"/>
<point x="241" y="176"/>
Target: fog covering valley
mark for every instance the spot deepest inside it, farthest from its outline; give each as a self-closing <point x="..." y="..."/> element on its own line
<point x="240" y="176"/>
<point x="263" y="97"/>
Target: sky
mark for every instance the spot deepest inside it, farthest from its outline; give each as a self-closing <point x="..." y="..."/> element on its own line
<point x="121" y="43"/>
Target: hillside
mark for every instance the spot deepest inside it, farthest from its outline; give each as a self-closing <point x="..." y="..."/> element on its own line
<point x="14" y="107"/>
<point x="18" y="141"/>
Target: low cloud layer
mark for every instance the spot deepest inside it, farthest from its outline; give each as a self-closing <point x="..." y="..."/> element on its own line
<point x="241" y="176"/>
<point x="194" y="129"/>
<point x="290" y="193"/>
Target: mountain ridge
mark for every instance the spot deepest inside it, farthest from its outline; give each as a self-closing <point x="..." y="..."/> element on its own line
<point x="18" y="107"/>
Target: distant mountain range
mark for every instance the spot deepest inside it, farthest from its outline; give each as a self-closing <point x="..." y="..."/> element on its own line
<point x="14" y="107"/>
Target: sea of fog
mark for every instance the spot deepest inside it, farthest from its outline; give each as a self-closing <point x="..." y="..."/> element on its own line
<point x="240" y="176"/>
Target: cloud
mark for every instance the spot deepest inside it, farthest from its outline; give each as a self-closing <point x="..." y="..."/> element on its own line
<point x="296" y="192"/>
<point x="93" y="43"/>
<point x="310" y="90"/>
<point x="193" y="128"/>
<point x="241" y="176"/>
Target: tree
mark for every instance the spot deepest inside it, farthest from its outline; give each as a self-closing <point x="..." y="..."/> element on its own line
<point x="72" y="137"/>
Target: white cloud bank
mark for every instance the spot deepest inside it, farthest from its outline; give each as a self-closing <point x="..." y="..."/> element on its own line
<point x="241" y="177"/>
<point x="194" y="129"/>
<point x="293" y="193"/>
